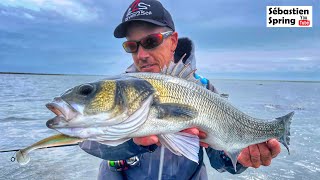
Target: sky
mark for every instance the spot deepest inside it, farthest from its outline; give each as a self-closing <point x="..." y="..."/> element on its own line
<point x="230" y="36"/>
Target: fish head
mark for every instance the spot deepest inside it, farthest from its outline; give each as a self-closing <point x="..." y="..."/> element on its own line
<point x="90" y="106"/>
<point x="85" y="105"/>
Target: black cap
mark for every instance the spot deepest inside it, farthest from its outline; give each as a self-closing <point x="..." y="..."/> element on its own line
<point x="150" y="11"/>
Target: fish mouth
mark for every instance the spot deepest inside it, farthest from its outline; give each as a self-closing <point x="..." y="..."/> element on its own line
<point x="64" y="113"/>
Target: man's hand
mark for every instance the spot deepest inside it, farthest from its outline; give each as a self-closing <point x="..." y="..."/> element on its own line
<point x="259" y="154"/>
<point x="153" y="139"/>
<point x="147" y="140"/>
<point x="200" y="134"/>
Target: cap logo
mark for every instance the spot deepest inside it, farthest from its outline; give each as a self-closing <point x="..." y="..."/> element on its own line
<point x="138" y="9"/>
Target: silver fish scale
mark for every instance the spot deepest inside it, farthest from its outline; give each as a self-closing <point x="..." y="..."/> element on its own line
<point x="222" y="121"/>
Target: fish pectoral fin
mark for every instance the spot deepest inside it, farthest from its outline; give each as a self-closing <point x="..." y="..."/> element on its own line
<point x="176" y="111"/>
<point x="233" y="155"/>
<point x="181" y="143"/>
<point x="114" y="142"/>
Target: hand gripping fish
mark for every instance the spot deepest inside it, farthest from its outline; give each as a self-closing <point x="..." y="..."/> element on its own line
<point x="116" y="109"/>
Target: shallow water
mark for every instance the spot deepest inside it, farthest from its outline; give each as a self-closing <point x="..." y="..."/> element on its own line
<point x="23" y="117"/>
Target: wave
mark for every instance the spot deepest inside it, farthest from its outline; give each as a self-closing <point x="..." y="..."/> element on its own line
<point x="14" y="118"/>
<point x="284" y="107"/>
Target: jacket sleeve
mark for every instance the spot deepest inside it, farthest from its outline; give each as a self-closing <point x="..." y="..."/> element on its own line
<point x="125" y="150"/>
<point x="222" y="163"/>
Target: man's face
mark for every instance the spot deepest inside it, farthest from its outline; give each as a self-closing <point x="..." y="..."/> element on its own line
<point x="152" y="60"/>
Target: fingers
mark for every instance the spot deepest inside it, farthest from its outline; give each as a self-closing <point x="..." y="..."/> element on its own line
<point x="146" y="141"/>
<point x="274" y="147"/>
<point x="244" y="158"/>
<point x="259" y="154"/>
<point x="202" y="135"/>
<point x="197" y="132"/>
<point x="203" y="144"/>
<point x="265" y="154"/>
<point x="193" y="131"/>
<point x="255" y="156"/>
<point x="150" y="140"/>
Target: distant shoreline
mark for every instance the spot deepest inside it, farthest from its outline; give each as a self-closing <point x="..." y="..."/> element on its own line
<point x="28" y="73"/>
<point x="226" y="79"/>
<point x="48" y="74"/>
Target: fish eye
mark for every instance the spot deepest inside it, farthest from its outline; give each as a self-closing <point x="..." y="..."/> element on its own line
<point x="85" y="89"/>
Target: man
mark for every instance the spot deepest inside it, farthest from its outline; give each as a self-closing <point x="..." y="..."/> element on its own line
<point x="153" y="43"/>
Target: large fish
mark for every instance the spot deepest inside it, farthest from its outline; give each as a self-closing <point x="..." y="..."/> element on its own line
<point x="114" y="110"/>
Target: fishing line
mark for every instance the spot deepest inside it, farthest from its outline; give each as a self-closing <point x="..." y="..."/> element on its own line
<point x="14" y="150"/>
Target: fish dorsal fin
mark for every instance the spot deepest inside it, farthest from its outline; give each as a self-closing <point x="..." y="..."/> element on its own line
<point x="181" y="70"/>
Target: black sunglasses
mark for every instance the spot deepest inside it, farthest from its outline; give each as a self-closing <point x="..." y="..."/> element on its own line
<point x="149" y="42"/>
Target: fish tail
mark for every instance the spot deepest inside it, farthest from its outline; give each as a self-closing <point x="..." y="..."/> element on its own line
<point x="286" y="121"/>
<point x="22" y="157"/>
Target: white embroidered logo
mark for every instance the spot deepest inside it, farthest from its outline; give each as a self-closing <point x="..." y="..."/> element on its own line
<point x="137" y="9"/>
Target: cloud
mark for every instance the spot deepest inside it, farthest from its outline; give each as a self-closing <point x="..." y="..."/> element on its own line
<point x="28" y="16"/>
<point x="70" y="9"/>
<point x="305" y="58"/>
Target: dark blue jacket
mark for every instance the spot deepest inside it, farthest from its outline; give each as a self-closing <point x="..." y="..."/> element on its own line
<point x="175" y="167"/>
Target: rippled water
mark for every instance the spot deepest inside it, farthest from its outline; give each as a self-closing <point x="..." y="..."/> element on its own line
<point x="23" y="116"/>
